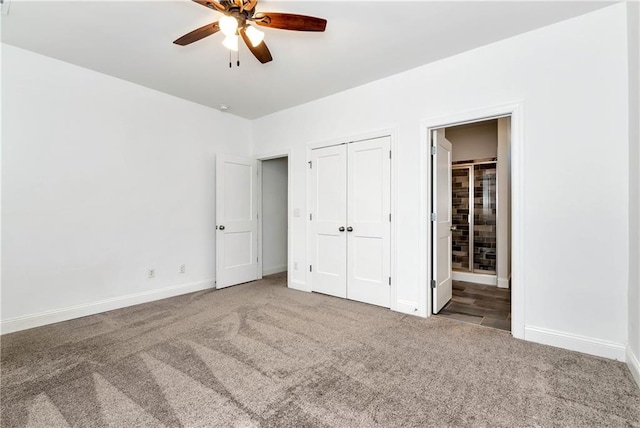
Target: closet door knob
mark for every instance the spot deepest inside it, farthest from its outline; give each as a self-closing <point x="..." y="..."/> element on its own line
<point x="221" y="227"/>
<point x="349" y="229"/>
<point x="341" y="229"/>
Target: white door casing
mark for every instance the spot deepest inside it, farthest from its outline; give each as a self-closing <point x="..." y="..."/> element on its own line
<point x="236" y="220"/>
<point x="327" y="227"/>
<point x="369" y="221"/>
<point x="441" y="227"/>
<point x="518" y="283"/>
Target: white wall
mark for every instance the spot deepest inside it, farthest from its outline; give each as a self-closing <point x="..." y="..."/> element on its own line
<point x="274" y="216"/>
<point x="473" y="141"/>
<point x="102" y="180"/>
<point x="575" y="229"/>
<point x="633" y="353"/>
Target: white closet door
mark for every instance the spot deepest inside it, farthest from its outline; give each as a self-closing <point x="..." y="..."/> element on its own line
<point x="328" y="205"/>
<point x="442" y="206"/>
<point x="236" y="218"/>
<point x="369" y="226"/>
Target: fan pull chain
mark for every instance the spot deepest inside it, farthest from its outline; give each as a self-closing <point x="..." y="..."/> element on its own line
<point x="237" y="59"/>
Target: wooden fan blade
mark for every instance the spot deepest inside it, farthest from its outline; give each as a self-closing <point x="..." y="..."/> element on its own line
<point x="211" y="4"/>
<point x="198" y="34"/>
<point x="250" y="4"/>
<point x="261" y="51"/>
<point x="289" y="21"/>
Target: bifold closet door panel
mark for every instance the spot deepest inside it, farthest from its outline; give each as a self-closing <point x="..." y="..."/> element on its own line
<point x="328" y="205"/>
<point x="368" y="221"/>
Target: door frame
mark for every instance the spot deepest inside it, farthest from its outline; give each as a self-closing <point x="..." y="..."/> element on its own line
<point x="518" y="284"/>
<point x="368" y="135"/>
<point x="276" y="154"/>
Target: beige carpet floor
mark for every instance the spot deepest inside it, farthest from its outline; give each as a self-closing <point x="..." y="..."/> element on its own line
<point x="260" y="354"/>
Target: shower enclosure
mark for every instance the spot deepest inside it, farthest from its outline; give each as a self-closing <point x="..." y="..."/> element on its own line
<point x="474" y="199"/>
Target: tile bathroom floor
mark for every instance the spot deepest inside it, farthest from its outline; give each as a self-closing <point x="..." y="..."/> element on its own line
<point x="481" y="304"/>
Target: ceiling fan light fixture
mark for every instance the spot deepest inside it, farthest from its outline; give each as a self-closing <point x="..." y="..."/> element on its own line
<point x="231" y="43"/>
<point x="255" y="36"/>
<point x="239" y="19"/>
<point x="228" y="25"/>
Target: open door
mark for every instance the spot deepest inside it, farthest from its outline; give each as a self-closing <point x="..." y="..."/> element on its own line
<point x="441" y="224"/>
<point x="236" y="220"/>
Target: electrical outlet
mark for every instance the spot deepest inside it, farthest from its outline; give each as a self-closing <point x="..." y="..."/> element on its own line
<point x="183" y="268"/>
<point x="152" y="273"/>
<point x="295" y="265"/>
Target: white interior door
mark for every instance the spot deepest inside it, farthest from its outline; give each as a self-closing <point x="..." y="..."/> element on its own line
<point x="236" y="220"/>
<point x="369" y="222"/>
<point x="327" y="225"/>
<point x="441" y="231"/>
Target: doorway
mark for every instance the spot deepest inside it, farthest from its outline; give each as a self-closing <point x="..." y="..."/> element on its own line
<point x="274" y="222"/>
<point x="240" y="223"/>
<point x="471" y="224"/>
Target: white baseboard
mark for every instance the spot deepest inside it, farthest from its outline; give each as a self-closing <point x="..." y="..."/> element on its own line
<point x="573" y="342"/>
<point x="64" y="314"/>
<point x="504" y="282"/>
<point x="407" y="307"/>
<point x="274" y="269"/>
<point x="477" y="278"/>
<point x="634" y="365"/>
<point x="299" y="285"/>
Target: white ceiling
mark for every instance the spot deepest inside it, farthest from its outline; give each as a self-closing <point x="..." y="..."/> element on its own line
<point x="364" y="41"/>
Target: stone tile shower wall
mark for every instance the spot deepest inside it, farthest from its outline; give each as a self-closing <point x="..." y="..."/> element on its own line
<point x="460" y="219"/>
<point x="484" y="218"/>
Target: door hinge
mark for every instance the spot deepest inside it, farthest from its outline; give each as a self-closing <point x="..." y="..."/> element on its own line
<point x="389" y="216"/>
<point x="433" y="150"/>
<point x="310" y="164"/>
<point x="433" y="283"/>
<point x="389" y="280"/>
<point x="310" y="268"/>
<point x="310" y="216"/>
<point x="434" y="217"/>
<point x="389" y="154"/>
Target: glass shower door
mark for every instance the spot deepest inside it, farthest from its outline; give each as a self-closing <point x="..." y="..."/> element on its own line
<point x="460" y="217"/>
<point x="474" y="200"/>
<point x="484" y="218"/>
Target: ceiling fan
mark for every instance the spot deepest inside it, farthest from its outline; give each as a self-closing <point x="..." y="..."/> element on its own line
<point x="237" y="20"/>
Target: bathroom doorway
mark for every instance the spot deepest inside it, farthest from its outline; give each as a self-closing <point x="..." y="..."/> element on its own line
<point x="479" y="224"/>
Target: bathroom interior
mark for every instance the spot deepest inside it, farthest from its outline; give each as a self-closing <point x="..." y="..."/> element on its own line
<point x="480" y="223"/>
